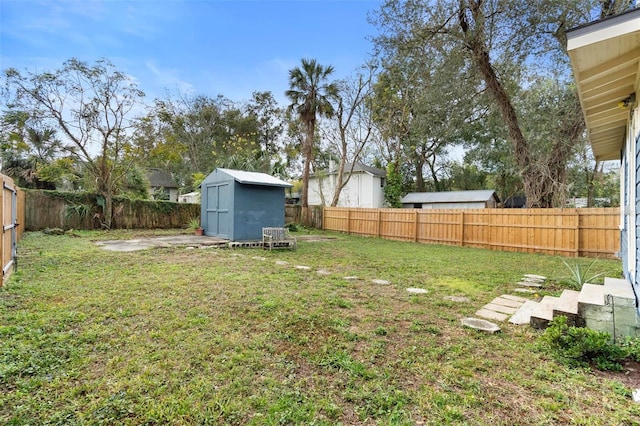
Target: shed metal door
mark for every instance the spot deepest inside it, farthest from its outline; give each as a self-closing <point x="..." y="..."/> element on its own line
<point x="218" y="203"/>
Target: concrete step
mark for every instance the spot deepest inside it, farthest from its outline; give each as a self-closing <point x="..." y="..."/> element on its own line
<point x="523" y="315"/>
<point x="543" y="313"/>
<point x="621" y="292"/>
<point x="567" y="305"/>
<point x="591" y="299"/>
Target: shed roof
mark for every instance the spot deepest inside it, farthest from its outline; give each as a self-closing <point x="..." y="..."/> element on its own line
<point x="255" y="178"/>
<point x="359" y="167"/>
<point x="450" y="196"/>
<point x="605" y="57"/>
<point x="160" y="179"/>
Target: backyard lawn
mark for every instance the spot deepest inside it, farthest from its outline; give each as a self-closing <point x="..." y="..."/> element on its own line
<point x="217" y="336"/>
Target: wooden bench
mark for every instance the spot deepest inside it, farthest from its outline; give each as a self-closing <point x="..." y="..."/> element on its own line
<point x="277" y="238"/>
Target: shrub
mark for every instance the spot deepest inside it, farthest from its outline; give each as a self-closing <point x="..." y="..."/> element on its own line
<point x="581" y="347"/>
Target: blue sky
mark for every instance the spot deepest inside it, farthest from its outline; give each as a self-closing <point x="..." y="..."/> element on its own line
<point x="206" y="47"/>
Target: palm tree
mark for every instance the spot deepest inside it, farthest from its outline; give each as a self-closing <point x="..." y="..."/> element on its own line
<point x="311" y="97"/>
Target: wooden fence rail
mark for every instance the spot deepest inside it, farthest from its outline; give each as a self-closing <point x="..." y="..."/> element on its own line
<point x="592" y="232"/>
<point x="12" y="213"/>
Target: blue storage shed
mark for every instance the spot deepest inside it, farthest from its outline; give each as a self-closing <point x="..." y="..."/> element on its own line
<point x="236" y="204"/>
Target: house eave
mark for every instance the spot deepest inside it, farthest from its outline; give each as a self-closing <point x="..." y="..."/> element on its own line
<point x="605" y="57"/>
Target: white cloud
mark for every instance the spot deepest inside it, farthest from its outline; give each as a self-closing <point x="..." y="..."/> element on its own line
<point x="169" y="79"/>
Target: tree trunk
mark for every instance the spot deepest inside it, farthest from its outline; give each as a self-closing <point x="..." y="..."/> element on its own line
<point x="108" y="210"/>
<point x="339" y="182"/>
<point x="307" y="154"/>
<point x="536" y="185"/>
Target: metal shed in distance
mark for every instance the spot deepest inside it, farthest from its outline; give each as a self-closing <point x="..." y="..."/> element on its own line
<point x="479" y="199"/>
<point x="236" y="204"/>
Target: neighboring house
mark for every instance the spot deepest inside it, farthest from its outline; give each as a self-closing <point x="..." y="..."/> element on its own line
<point x="605" y="56"/>
<point x="480" y="199"/>
<point x="161" y="185"/>
<point x="190" y="197"/>
<point x="515" y="202"/>
<point x="237" y="204"/>
<point x="364" y="189"/>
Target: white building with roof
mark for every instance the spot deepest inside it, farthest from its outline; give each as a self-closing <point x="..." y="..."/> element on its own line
<point x="365" y="187"/>
<point x="477" y="199"/>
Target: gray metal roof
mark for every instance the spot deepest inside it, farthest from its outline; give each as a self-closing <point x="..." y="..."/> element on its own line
<point x="160" y="179"/>
<point x="359" y="167"/>
<point x="450" y="196"/>
<point x="255" y="178"/>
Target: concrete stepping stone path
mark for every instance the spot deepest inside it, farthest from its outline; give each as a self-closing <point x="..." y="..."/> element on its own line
<point x="282" y="262"/>
<point x="529" y="284"/>
<point x="501" y="308"/>
<point x="303" y="267"/>
<point x="351" y="278"/>
<point x="480" y="324"/>
<point x="457" y="299"/>
<point x="417" y="290"/>
<point x="323" y="272"/>
<point x="380" y="282"/>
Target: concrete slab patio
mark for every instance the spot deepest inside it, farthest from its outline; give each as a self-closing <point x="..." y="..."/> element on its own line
<point x="165" y="241"/>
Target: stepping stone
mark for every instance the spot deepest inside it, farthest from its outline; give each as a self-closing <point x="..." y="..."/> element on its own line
<point x="282" y="262"/>
<point x="323" y="272"/>
<point x="503" y="301"/>
<point x="259" y="258"/>
<point x="480" y="324"/>
<point x="528" y="284"/>
<point x="512" y="297"/>
<point x="351" y="278"/>
<point x="381" y="282"/>
<point x="537" y="277"/>
<point x="303" y="268"/>
<point x="523" y="315"/>
<point x="499" y="308"/>
<point x="417" y="290"/>
<point x="189" y="248"/>
<point x="531" y="280"/>
<point x="457" y="299"/>
<point x="524" y="290"/>
<point x="497" y="316"/>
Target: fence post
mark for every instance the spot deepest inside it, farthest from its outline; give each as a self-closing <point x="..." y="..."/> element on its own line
<point x="2" y="244"/>
<point x="415" y="226"/>
<point x="348" y="220"/>
<point x="577" y="231"/>
<point x="461" y="229"/>
<point x="378" y="230"/>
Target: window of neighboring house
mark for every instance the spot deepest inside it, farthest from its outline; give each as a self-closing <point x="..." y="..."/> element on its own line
<point x="161" y="194"/>
<point x="417" y="205"/>
<point x="381" y="182"/>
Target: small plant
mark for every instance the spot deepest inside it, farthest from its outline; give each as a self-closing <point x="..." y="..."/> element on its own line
<point x="581" y="347"/>
<point x="293" y="227"/>
<point x="579" y="277"/>
<point x="193" y="224"/>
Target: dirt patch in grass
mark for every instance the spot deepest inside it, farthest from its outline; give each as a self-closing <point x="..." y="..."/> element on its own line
<point x="629" y="376"/>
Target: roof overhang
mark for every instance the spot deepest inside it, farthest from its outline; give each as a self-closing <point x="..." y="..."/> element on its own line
<point x="605" y="57"/>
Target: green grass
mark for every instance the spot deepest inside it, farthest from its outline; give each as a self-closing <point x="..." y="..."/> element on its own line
<point x="177" y="336"/>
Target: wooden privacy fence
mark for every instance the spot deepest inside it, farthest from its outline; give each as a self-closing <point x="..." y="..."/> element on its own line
<point x="51" y="209"/>
<point x="592" y="232"/>
<point x="12" y="213"/>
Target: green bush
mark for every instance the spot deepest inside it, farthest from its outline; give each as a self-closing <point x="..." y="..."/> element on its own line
<point x="581" y="347"/>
